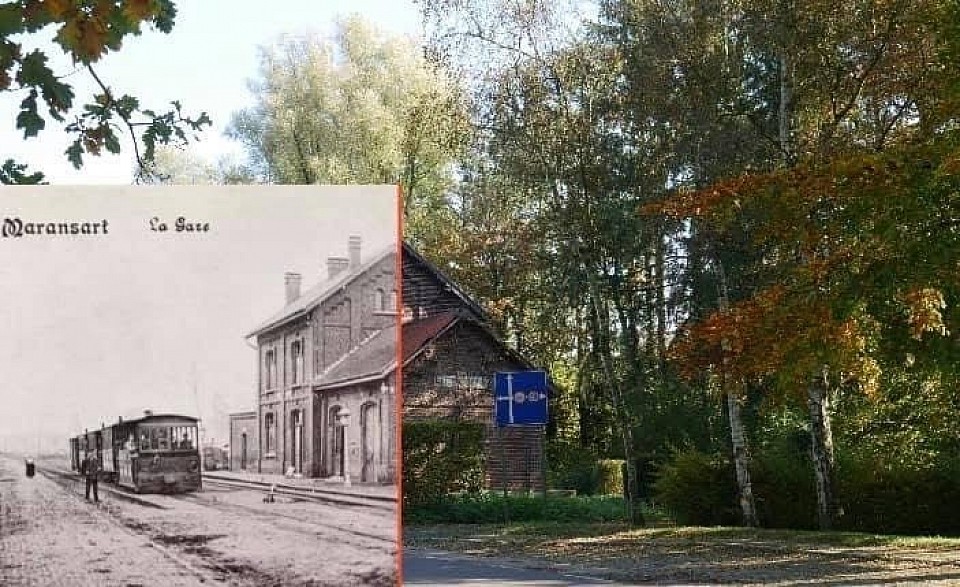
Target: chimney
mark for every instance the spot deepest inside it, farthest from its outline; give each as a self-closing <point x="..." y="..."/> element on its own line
<point x="335" y="265"/>
<point x="291" y="282"/>
<point x="354" y="248"/>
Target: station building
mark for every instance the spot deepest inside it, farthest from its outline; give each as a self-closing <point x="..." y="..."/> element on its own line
<point x="332" y="351"/>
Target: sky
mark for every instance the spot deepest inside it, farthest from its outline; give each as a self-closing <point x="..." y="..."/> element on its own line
<point x="205" y="63"/>
<point x="98" y="327"/>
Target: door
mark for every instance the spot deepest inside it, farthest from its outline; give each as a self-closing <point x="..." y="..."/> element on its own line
<point x="335" y="434"/>
<point x="243" y="451"/>
<point x="297" y="448"/>
<point x="369" y="440"/>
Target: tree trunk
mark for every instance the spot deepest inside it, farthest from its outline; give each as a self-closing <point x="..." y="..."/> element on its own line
<point x="741" y="462"/>
<point x="661" y="299"/>
<point x="738" y="437"/>
<point x="602" y="334"/>
<point x="785" y="114"/>
<point x="821" y="450"/>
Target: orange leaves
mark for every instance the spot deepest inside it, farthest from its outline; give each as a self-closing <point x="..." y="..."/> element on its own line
<point x="85" y="36"/>
<point x="139" y="10"/>
<point x="58" y="9"/>
<point x="924" y="311"/>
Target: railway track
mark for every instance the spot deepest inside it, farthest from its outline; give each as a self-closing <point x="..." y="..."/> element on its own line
<point x="313" y="494"/>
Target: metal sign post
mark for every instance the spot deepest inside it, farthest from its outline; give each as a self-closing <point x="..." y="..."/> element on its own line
<point x="520" y="399"/>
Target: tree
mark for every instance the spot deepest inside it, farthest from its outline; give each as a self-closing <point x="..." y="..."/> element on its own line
<point x="358" y="107"/>
<point x="177" y="166"/>
<point x="86" y="31"/>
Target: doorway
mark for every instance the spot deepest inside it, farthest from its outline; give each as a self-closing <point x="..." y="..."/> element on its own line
<point x="369" y="440"/>
<point x="243" y="451"/>
<point x="336" y="436"/>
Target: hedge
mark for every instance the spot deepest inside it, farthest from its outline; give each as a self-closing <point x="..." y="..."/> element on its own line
<point x="441" y="457"/>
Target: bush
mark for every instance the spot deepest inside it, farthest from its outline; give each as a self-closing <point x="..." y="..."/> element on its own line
<point x="783" y="484"/>
<point x="882" y="496"/>
<point x="574" y="467"/>
<point x="492" y="508"/>
<point x="610" y="477"/>
<point x="441" y="457"/>
<point x="698" y="489"/>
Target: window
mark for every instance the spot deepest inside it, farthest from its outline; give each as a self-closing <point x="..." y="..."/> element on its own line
<point x="270" y="369"/>
<point x="379" y="301"/>
<point x="393" y="301"/>
<point x="296" y="361"/>
<point x="165" y="438"/>
<point x="270" y="432"/>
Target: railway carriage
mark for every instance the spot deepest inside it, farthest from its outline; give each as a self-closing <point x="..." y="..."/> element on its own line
<point x="153" y="454"/>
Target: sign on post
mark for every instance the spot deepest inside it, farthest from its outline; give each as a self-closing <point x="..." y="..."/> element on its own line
<point x="521" y="398"/>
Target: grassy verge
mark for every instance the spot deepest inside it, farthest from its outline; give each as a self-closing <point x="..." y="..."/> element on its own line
<point x="667" y="554"/>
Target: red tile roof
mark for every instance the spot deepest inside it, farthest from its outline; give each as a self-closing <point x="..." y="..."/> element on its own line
<point x="416" y="334"/>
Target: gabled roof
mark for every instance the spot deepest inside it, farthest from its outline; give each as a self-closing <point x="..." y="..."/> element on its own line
<point x="376" y="358"/>
<point x="314" y="296"/>
<point x="449" y="283"/>
<point x="327" y="287"/>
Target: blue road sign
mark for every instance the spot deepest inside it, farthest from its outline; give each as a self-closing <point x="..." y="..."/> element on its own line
<point x="521" y="398"/>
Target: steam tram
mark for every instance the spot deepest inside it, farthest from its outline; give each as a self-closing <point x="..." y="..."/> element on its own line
<point x="154" y="454"/>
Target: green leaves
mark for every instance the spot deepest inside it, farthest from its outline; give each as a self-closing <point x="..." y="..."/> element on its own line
<point x="28" y="120"/>
<point x="86" y="31"/>
<point x="13" y="173"/>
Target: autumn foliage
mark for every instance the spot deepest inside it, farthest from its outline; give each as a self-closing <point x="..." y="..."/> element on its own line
<point x="862" y="241"/>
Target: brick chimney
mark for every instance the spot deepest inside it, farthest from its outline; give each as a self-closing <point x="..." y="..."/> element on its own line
<point x="354" y="248"/>
<point x="291" y="282"/>
<point x="336" y="265"/>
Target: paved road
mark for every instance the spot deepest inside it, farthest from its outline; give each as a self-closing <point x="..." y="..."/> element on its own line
<point x="442" y="569"/>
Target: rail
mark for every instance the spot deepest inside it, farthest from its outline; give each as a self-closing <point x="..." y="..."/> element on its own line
<point x="318" y="494"/>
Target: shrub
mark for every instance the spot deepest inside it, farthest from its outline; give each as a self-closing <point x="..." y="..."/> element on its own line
<point x="698" y="489"/>
<point x="783" y="484"/>
<point x="441" y="457"/>
<point x="610" y="477"/>
<point x="491" y="508"/>
<point x="884" y="496"/>
<point x="570" y="466"/>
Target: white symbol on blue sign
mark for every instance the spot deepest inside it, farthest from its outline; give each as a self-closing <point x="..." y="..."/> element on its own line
<point x="521" y="398"/>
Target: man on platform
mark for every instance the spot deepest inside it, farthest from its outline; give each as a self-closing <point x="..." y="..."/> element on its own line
<point x="91" y="471"/>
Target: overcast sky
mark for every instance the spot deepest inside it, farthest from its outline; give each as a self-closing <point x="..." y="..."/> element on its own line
<point x="92" y="328"/>
<point x="205" y="63"/>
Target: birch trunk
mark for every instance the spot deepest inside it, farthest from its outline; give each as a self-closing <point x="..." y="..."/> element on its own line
<point x="821" y="450"/>
<point x="738" y="438"/>
<point x="741" y="461"/>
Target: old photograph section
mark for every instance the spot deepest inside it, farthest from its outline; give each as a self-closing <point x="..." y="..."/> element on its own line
<point x="199" y="385"/>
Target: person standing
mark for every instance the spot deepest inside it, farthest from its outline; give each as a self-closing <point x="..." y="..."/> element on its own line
<point x="91" y="472"/>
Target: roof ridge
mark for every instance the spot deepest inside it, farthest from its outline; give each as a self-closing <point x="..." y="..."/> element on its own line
<point x="319" y="292"/>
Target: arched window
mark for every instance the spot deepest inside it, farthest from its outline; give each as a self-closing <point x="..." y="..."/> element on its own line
<point x="393" y="301"/>
<point x="379" y="301"/>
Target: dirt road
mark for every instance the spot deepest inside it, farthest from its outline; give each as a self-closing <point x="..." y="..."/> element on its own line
<point x="49" y="535"/>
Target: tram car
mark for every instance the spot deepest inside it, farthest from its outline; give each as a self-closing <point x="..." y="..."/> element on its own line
<point x="154" y="454"/>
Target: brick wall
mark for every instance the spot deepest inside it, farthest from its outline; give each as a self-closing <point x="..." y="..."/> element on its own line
<point x="455" y="380"/>
<point x="240" y="425"/>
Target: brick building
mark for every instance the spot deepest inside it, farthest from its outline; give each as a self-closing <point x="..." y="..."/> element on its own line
<point x="333" y="349"/>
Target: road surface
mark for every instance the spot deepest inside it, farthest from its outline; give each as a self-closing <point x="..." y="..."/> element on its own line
<point x="443" y="569"/>
<point x="51" y="536"/>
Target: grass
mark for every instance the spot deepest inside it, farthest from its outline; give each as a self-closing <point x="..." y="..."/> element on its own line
<point x="495" y="508"/>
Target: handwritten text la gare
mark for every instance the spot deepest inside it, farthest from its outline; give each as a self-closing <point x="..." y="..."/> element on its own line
<point x="181" y="224"/>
